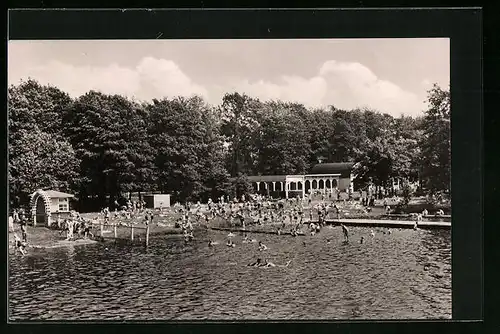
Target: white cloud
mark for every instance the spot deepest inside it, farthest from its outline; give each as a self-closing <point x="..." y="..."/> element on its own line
<point x="151" y="78"/>
<point x="345" y="85"/>
<point x="291" y="88"/>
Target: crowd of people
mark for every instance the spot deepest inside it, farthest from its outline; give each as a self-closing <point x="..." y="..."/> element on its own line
<point x="286" y="216"/>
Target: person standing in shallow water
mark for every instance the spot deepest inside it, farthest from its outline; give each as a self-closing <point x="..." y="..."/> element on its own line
<point x="345" y="230"/>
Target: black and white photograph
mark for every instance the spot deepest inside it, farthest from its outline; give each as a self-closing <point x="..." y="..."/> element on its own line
<point x="229" y="179"/>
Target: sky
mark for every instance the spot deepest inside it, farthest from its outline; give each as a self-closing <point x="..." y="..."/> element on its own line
<point x="389" y="75"/>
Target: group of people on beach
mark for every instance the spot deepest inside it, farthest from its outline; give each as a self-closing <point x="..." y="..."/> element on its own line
<point x="18" y="217"/>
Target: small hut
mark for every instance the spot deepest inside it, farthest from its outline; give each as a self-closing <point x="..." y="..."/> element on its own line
<point x="157" y="201"/>
<point x="45" y="204"/>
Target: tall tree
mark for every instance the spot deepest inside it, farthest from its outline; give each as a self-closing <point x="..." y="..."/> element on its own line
<point x="239" y="125"/>
<point x="188" y="148"/>
<point x="39" y="155"/>
<point x="435" y="143"/>
<point x="283" y="140"/>
<point x="109" y="133"/>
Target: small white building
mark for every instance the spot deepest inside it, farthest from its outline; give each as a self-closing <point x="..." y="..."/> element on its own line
<point x="157" y="201"/>
<point x="47" y="203"/>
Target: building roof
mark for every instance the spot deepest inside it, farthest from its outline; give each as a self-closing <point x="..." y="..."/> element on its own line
<point x="267" y="178"/>
<point x="58" y="194"/>
<point x="342" y="168"/>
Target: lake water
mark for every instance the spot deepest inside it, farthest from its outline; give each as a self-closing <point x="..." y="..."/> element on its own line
<point x="403" y="275"/>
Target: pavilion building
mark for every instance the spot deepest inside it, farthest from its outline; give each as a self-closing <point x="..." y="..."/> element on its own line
<point x="325" y="178"/>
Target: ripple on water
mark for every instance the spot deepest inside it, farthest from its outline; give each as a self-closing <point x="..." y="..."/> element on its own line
<point x="406" y="274"/>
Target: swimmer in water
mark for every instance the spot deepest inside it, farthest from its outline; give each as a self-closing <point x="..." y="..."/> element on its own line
<point x="362" y="239"/>
<point x="230" y="243"/>
<point x="262" y="247"/>
<point x="372" y="233"/>
<point x="257" y="263"/>
<point x="268" y="264"/>
<point x="211" y="243"/>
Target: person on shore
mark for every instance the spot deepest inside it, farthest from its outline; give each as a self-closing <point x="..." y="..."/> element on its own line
<point x="230" y="243"/>
<point x="70" y="230"/>
<point x="24" y="233"/>
<point x="362" y="239"/>
<point x="345" y="230"/>
<point x="19" y="245"/>
<point x="15" y="216"/>
<point x="11" y="223"/>
<point x="425" y="212"/>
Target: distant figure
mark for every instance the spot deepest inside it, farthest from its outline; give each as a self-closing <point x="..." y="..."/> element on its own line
<point x="425" y="212"/>
<point x="230" y="243"/>
<point x="440" y="212"/>
<point x="346" y="232"/>
<point x="372" y="233"/>
<point x="262" y="247"/>
<point x="389" y="231"/>
<point x="211" y="243"/>
<point x="362" y="239"/>
<point x="415" y="226"/>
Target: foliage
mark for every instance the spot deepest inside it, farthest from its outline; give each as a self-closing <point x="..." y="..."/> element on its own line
<point x="435" y="144"/>
<point x="100" y="146"/>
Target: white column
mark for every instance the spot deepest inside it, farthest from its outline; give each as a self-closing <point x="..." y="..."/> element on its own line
<point x="258" y="186"/>
<point x="303" y="189"/>
<point x="286" y="189"/>
<point x="274" y="186"/>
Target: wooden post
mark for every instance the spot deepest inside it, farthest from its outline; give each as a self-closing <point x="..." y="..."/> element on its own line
<point x="116" y="235"/>
<point x="132" y="234"/>
<point x="147" y="236"/>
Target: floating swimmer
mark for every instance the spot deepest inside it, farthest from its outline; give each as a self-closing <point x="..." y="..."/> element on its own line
<point x="262" y="247"/>
<point x="372" y="233"/>
<point x="256" y="263"/>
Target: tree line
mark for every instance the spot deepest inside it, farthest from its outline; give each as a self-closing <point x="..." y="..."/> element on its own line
<point x="100" y="146"/>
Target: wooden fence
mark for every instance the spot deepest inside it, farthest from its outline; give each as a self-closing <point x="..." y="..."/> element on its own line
<point x="115" y="227"/>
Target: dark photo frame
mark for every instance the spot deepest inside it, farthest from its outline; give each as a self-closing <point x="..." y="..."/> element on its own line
<point x="462" y="26"/>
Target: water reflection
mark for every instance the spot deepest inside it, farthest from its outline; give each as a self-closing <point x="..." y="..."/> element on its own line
<point x="406" y="274"/>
